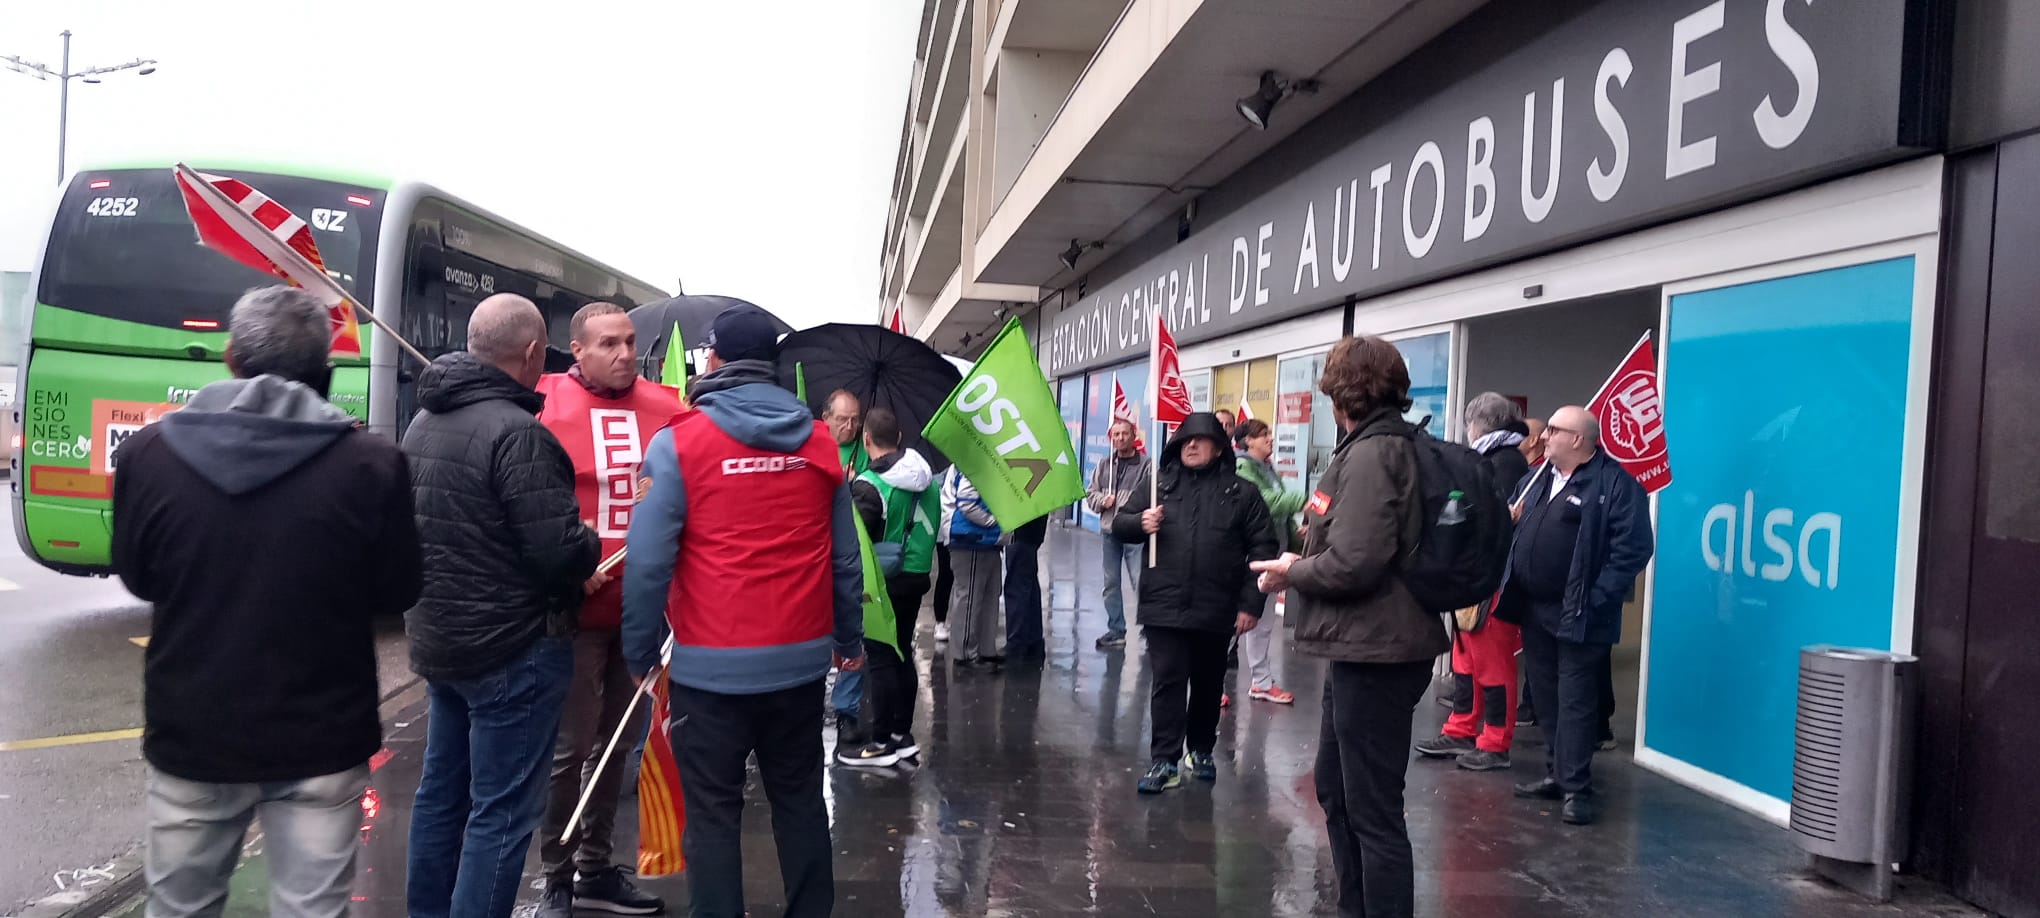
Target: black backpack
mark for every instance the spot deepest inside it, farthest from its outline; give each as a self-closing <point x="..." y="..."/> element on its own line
<point x="1458" y="559"/>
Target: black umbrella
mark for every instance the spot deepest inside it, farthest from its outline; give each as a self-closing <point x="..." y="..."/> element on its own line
<point x="654" y="324"/>
<point x="882" y="367"/>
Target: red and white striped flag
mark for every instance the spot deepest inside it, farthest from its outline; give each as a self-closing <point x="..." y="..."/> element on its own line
<point x="1172" y="395"/>
<point x="286" y="249"/>
<point x="1244" y="413"/>
<point x="1122" y="410"/>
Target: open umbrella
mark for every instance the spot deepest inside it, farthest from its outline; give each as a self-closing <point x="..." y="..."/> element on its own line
<point x="882" y="367"/>
<point x="654" y="325"/>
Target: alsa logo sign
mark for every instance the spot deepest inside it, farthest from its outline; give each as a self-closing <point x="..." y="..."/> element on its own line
<point x="1784" y="552"/>
<point x="757" y="465"/>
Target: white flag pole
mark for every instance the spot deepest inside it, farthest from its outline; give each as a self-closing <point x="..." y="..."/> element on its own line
<point x="643" y="688"/>
<point x="1155" y="393"/>
<point x="285" y="257"/>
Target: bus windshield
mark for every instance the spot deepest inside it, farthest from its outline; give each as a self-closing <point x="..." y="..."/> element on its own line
<point x="122" y="247"/>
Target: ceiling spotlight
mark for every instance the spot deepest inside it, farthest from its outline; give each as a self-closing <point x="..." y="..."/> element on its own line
<point x="1258" y="106"/>
<point x="1076" y="251"/>
<point x="999" y="312"/>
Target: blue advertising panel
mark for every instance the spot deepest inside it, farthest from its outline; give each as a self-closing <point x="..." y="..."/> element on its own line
<point x="1787" y="400"/>
<point x="1070" y="401"/>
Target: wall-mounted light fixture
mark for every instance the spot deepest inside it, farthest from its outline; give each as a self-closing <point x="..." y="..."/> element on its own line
<point x="1257" y="106"/>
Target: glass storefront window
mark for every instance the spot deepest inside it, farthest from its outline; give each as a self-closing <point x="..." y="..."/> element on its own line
<point x="1305" y="428"/>
<point x="1070" y="399"/>
<point x="1430" y="361"/>
<point x="1199" y="383"/>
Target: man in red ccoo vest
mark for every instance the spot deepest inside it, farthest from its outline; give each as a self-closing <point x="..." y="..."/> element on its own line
<point x="745" y="544"/>
<point x="603" y="413"/>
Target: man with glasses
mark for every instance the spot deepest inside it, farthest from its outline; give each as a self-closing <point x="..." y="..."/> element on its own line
<point x="1582" y="536"/>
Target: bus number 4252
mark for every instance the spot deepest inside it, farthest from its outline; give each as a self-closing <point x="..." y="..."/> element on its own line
<point x="113" y="207"/>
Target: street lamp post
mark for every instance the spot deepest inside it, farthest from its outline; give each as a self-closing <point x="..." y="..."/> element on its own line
<point x="64" y="76"/>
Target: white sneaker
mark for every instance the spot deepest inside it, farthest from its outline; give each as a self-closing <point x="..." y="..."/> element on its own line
<point x="941" y="632"/>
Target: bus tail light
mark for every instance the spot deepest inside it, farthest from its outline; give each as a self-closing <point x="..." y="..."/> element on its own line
<point x="102" y="183"/>
<point x="202" y="324"/>
<point x="63" y="543"/>
<point x="359" y="201"/>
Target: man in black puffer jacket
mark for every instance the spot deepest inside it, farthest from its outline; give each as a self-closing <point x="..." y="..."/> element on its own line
<point x="508" y="559"/>
<point x="1210" y="523"/>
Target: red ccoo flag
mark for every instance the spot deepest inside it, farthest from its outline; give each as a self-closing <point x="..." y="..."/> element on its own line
<point x="1172" y="396"/>
<point x="1633" y="420"/>
<point x="240" y="242"/>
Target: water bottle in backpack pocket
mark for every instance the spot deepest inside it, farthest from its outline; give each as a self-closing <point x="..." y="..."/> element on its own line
<point x="1463" y="547"/>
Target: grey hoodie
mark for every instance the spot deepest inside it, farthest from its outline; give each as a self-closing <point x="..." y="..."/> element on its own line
<point x="241" y="434"/>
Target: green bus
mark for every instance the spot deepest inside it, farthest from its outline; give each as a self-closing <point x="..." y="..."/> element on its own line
<point x="130" y="314"/>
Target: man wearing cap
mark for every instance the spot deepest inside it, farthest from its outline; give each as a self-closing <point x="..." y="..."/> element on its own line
<point x="744" y="544"/>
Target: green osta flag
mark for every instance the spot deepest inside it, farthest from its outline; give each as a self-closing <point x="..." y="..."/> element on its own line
<point x="674" y="373"/>
<point x="1002" y="429"/>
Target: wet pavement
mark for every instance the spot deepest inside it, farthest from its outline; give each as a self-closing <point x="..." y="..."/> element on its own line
<point x="1023" y="805"/>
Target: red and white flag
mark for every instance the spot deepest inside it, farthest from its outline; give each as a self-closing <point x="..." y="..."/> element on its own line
<point x="1172" y="395"/>
<point x="1633" y="418"/>
<point x="266" y="236"/>
<point x="1122" y="410"/>
<point x="898" y="322"/>
<point x="1244" y="413"/>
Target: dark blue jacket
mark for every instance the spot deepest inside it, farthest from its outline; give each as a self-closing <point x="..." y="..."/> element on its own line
<point x="1615" y="542"/>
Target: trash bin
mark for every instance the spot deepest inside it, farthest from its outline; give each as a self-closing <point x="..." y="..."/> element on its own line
<point x="1852" y="763"/>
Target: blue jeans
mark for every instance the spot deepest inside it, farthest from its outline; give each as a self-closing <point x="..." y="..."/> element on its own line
<point x="1126" y="556"/>
<point x="488" y="758"/>
<point x="848" y="695"/>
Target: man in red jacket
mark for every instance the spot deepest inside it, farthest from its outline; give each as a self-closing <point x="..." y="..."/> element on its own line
<point x="604" y="414"/>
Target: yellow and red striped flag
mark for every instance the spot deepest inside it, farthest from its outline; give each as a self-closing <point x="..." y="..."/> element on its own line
<point x="662" y="813"/>
<point x="272" y="253"/>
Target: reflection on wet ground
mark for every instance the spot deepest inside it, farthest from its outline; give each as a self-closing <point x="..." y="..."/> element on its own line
<point x="1023" y="804"/>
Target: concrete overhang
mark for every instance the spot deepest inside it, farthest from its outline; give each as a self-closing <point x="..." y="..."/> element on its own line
<point x="1153" y="120"/>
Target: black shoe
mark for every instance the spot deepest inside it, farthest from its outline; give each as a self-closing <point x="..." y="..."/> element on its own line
<point x="1483" y="760"/>
<point x="1202" y="766"/>
<point x="870" y="755"/>
<point x="1444" y="747"/>
<point x="1161" y="776"/>
<point x="611" y="891"/>
<point x="1608" y="745"/>
<point x="558" y="901"/>
<point x="903" y="743"/>
<point x="1546" y="789"/>
<point x="1112" y="640"/>
<point x="1581" y="809"/>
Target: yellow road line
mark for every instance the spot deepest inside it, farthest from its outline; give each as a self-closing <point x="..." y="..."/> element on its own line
<point x="142" y="641"/>
<point x="74" y="739"/>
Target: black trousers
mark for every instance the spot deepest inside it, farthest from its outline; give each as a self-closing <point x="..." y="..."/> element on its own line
<point x="1363" y="757"/>
<point x="1024" y="640"/>
<point x="1180" y="658"/>
<point x="893" y="679"/>
<point x="713" y="735"/>
<point x="945" y="580"/>
<point x="1571" y="681"/>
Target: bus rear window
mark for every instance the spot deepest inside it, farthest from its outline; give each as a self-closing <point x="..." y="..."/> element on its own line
<point x="123" y="247"/>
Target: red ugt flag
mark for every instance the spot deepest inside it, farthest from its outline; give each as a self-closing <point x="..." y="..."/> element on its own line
<point x="230" y="238"/>
<point x="1633" y="420"/>
<point x="1172" y="396"/>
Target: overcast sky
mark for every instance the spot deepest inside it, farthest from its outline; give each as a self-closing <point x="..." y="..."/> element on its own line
<point x="743" y="147"/>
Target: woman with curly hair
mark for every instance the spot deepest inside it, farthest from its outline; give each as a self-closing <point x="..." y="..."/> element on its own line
<point x="1354" y="610"/>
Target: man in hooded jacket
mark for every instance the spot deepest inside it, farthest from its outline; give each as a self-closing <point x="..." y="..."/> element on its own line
<point x="744" y="544"/>
<point x="1208" y="525"/>
<point x="259" y="682"/>
<point x="492" y="634"/>
<point x="899" y="510"/>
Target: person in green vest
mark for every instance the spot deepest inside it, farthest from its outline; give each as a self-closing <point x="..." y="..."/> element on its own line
<point x="896" y="503"/>
<point x="845" y="416"/>
<point x="1283" y="506"/>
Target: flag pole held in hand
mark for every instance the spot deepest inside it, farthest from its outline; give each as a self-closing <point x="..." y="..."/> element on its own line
<point x="644" y="687"/>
